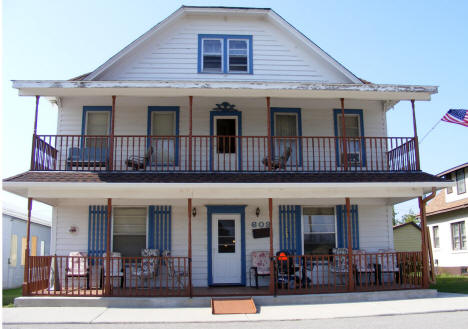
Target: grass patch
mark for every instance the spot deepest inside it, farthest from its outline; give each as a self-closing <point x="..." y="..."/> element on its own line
<point x="9" y="295"/>
<point x="451" y="283"/>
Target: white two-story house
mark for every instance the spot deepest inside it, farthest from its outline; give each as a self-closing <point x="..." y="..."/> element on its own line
<point x="221" y="147"/>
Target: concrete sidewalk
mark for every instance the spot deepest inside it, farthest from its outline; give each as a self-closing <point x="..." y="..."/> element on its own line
<point x="443" y="303"/>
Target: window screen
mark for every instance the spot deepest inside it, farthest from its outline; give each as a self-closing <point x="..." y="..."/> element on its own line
<point x="238" y="59"/>
<point x="97" y="123"/>
<point x="212" y="55"/>
<point x="435" y="236"/>
<point x="226" y="130"/>
<point x="34" y="246"/>
<point x="351" y="125"/>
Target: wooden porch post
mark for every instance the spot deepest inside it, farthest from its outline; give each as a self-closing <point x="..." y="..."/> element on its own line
<point x="350" y="247"/>
<point x="343" y="136"/>
<point x="111" y="143"/>
<point x="416" y="143"/>
<point x="34" y="132"/>
<point x="190" y="135"/>
<point x="107" y="291"/>
<point x="26" y="252"/>
<point x="272" y="274"/>
<point x="189" y="242"/>
<point x="424" y="236"/>
<point x="269" y="131"/>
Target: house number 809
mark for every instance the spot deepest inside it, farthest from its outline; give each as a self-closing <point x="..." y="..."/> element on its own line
<point x="260" y="224"/>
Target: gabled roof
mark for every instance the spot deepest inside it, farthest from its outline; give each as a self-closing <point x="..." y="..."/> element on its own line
<point x="266" y="12"/>
<point x="396" y="227"/>
<point x="445" y="172"/>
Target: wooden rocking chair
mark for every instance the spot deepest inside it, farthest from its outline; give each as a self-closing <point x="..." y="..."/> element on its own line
<point x="279" y="162"/>
<point x="140" y="162"/>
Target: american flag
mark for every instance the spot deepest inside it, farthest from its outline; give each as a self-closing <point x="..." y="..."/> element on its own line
<point x="457" y="116"/>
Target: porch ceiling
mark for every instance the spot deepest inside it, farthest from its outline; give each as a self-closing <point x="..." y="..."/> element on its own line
<point x="226" y="88"/>
<point x="62" y="185"/>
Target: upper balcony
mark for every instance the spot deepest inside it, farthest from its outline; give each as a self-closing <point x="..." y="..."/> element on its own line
<point x="223" y="153"/>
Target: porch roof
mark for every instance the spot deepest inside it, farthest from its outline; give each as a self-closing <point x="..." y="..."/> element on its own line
<point x="385" y="92"/>
<point x="49" y="187"/>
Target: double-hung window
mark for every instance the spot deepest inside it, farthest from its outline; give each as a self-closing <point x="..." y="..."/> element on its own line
<point x="319" y="230"/>
<point x="461" y="184"/>
<point x="225" y="53"/>
<point x="458" y="236"/>
<point x="96" y="125"/>
<point x="435" y="236"/>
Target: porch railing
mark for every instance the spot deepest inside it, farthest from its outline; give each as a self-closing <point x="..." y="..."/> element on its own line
<point x="128" y="276"/>
<point x="222" y="153"/>
<point x="330" y="273"/>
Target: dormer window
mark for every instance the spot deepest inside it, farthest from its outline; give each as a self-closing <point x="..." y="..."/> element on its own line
<point x="225" y="54"/>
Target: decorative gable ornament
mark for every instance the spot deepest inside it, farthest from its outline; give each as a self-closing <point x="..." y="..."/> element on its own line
<point x="225" y="106"/>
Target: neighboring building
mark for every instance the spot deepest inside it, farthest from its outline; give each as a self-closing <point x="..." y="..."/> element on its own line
<point x="407" y="237"/>
<point x="213" y="129"/>
<point x="14" y="244"/>
<point x="447" y="220"/>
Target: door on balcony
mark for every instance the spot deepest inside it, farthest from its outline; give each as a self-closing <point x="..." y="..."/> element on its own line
<point x="225" y="144"/>
<point x="285" y="132"/>
<point x="163" y="132"/>
<point x="226" y="249"/>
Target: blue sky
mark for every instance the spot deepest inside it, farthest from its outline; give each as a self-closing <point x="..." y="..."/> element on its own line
<point x="404" y="42"/>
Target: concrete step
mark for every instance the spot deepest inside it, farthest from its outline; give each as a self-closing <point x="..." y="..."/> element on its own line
<point x="170" y="302"/>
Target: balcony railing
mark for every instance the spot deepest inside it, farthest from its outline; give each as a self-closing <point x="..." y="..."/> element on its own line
<point x="222" y="153"/>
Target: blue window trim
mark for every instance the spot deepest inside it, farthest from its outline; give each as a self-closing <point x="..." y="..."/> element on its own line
<point x="87" y="109"/>
<point x="175" y="109"/>
<point x="342" y="228"/>
<point x="238" y="114"/>
<point x="336" y="113"/>
<point x="225" y="38"/>
<point x="230" y="209"/>
<point x="297" y="111"/>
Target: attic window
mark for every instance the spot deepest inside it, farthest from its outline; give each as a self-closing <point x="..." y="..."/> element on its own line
<point x="225" y="54"/>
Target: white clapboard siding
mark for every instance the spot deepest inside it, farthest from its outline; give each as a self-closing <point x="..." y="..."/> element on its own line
<point x="375" y="230"/>
<point x="132" y="114"/>
<point x="172" y="53"/>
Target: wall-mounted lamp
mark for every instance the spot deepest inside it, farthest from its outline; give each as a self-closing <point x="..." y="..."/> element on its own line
<point x="73" y="229"/>
<point x="257" y="212"/>
<point x="194" y="211"/>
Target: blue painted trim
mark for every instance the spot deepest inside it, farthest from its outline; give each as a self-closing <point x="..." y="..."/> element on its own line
<point x="225" y="59"/>
<point x="228" y="209"/>
<point x="336" y="113"/>
<point x="298" y="218"/>
<point x="175" y="109"/>
<point x="216" y="113"/>
<point x="160" y="227"/>
<point x="290" y="215"/>
<point x="97" y="228"/>
<point x="296" y="111"/>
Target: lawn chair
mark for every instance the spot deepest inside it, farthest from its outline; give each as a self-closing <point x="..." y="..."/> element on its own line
<point x="116" y="268"/>
<point x="149" y="266"/>
<point x="77" y="267"/>
<point x="140" y="162"/>
<point x="260" y="265"/>
<point x="362" y="263"/>
<point x="279" y="162"/>
<point x="340" y="262"/>
<point x="174" y="270"/>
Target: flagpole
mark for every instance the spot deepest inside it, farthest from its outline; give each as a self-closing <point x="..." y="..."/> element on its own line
<point x="422" y="139"/>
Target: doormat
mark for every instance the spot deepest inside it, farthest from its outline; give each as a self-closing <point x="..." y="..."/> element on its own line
<point x="233" y="306"/>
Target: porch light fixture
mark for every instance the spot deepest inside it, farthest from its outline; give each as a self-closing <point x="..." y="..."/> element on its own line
<point x="73" y="229"/>
<point x="257" y="212"/>
<point x="194" y="211"/>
